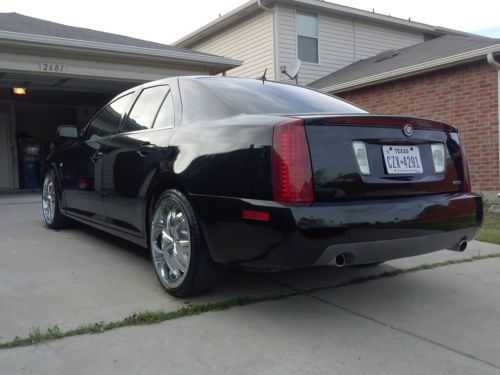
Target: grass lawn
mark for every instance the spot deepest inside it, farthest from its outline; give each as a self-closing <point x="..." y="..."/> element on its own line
<point x="491" y="227"/>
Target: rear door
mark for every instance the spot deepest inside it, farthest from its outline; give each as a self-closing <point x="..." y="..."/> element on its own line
<point x="82" y="167"/>
<point x="133" y="157"/>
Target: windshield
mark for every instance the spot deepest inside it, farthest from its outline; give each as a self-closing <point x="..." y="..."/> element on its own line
<point x="215" y="98"/>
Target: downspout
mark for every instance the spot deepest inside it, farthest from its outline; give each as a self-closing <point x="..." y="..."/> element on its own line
<point x="496" y="65"/>
<point x="261" y="5"/>
<point x="491" y="60"/>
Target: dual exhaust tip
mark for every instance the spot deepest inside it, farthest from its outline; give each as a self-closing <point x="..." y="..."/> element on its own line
<point x="341" y="261"/>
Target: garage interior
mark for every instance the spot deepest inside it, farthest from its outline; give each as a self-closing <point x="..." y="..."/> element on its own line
<point x="29" y="119"/>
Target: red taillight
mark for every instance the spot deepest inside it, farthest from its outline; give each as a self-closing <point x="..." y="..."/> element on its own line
<point x="292" y="174"/>
<point x="466" y="184"/>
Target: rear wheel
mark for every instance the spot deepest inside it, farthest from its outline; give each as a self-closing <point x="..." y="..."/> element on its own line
<point x="50" y="203"/>
<point x="178" y="251"/>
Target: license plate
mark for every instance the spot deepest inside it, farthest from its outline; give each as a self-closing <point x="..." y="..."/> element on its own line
<point x="402" y="159"/>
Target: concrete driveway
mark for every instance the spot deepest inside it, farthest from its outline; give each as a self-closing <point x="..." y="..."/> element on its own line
<point x="440" y="320"/>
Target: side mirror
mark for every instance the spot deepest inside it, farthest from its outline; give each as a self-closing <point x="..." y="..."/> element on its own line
<point x="67" y="132"/>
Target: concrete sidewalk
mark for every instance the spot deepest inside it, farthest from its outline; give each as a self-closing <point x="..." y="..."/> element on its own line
<point x="441" y="321"/>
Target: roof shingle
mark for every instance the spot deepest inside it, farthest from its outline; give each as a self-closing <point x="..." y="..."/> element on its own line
<point x="430" y="50"/>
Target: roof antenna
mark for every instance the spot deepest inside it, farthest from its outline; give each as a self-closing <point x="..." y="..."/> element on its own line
<point x="264" y="78"/>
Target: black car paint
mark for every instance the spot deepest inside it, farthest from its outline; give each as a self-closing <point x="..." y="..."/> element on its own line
<point x="224" y="165"/>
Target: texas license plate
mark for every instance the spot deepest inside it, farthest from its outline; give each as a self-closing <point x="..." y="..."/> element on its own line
<point x="402" y="159"/>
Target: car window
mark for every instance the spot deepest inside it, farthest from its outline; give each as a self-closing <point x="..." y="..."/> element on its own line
<point x="145" y="109"/>
<point x="108" y="120"/>
<point x="215" y="98"/>
<point x="166" y="117"/>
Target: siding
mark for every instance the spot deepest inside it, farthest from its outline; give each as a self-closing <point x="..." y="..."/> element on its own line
<point x="250" y="41"/>
<point x="342" y="41"/>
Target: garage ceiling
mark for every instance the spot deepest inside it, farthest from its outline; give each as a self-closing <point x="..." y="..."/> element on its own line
<point x="47" y="82"/>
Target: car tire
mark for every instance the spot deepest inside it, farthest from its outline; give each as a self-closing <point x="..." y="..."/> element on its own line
<point x="179" y="253"/>
<point x="51" y="212"/>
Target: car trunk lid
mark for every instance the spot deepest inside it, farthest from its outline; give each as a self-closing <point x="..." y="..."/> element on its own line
<point x="400" y="152"/>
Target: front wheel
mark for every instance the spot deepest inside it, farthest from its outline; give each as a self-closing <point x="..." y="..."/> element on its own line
<point x="180" y="256"/>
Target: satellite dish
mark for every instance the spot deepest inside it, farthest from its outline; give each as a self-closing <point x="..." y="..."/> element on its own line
<point x="292" y="70"/>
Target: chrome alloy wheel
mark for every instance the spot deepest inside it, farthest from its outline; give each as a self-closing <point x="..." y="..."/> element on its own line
<point x="170" y="243"/>
<point x="49" y="199"/>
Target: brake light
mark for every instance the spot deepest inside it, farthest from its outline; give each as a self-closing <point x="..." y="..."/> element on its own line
<point x="466" y="184"/>
<point x="292" y="172"/>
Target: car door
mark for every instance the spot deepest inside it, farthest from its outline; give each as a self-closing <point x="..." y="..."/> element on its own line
<point x="82" y="167"/>
<point x="132" y="158"/>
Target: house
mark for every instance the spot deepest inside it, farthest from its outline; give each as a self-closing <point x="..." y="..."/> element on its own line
<point x="267" y="34"/>
<point x="53" y="74"/>
<point x="454" y="79"/>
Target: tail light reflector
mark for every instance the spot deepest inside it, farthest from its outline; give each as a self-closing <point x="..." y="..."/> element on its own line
<point x="256" y="215"/>
<point x="292" y="172"/>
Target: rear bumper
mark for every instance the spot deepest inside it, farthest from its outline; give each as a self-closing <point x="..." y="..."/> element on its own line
<point x="366" y="231"/>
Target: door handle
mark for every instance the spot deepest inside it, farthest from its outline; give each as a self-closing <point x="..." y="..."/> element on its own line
<point x="96" y="156"/>
<point x="145" y="149"/>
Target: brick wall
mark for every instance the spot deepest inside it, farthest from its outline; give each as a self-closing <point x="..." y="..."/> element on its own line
<point x="464" y="96"/>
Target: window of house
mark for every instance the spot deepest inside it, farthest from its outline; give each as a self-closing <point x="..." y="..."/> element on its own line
<point x="146" y="108"/>
<point x="307" y="37"/>
<point x="107" y="121"/>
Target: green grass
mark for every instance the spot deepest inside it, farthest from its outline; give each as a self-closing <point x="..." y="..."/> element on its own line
<point x="154" y="317"/>
<point x="491" y="227"/>
<point x="142" y="318"/>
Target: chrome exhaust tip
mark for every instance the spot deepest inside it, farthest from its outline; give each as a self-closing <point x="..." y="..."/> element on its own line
<point x="462" y="245"/>
<point x="339" y="260"/>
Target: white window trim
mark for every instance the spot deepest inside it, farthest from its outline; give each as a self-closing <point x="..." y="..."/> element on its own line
<point x="297" y="36"/>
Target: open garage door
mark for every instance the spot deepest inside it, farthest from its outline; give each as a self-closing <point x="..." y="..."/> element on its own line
<point x="44" y="103"/>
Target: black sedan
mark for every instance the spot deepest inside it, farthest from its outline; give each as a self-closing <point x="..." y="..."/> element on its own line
<point x="212" y="171"/>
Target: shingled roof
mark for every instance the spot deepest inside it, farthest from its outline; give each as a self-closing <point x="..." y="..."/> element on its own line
<point x="19" y="23"/>
<point x="391" y="64"/>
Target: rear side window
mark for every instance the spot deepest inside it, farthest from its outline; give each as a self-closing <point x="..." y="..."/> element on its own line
<point x="165" y="117"/>
<point x="107" y="121"/>
<point x="143" y="113"/>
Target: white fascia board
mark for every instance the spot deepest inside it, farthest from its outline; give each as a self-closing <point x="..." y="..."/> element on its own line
<point x="412" y="70"/>
<point x="115" y="49"/>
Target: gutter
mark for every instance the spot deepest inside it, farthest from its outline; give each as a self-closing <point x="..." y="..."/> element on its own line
<point x="491" y="60"/>
<point x="22" y="39"/>
<point x="413" y="70"/>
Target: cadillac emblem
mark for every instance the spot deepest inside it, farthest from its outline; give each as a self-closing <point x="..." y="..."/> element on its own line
<point x="408" y="130"/>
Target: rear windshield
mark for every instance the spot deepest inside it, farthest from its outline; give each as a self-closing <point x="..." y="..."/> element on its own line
<point x="214" y="98"/>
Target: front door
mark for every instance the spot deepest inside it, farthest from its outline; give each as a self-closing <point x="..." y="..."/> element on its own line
<point x="82" y="170"/>
<point x="5" y="153"/>
<point x="133" y="157"/>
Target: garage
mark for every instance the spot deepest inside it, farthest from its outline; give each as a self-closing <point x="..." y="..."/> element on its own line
<point x="53" y="74"/>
